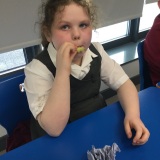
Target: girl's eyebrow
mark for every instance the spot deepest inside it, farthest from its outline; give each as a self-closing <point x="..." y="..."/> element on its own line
<point x="63" y="21"/>
<point x="87" y="20"/>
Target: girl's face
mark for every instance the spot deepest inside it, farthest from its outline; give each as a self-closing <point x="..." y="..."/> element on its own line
<point x="71" y="25"/>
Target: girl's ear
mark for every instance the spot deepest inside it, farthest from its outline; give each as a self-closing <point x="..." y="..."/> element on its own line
<point x="47" y="34"/>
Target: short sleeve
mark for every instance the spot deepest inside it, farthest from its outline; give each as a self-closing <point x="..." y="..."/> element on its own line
<point x="38" y="83"/>
<point x="112" y="74"/>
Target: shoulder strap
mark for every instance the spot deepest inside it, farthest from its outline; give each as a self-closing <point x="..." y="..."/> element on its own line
<point x="94" y="50"/>
<point x="46" y="60"/>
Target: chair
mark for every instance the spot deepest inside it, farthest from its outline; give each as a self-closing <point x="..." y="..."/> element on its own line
<point x="13" y="104"/>
<point x="145" y="79"/>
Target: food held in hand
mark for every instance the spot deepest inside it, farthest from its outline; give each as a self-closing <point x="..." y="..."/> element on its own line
<point x="80" y="49"/>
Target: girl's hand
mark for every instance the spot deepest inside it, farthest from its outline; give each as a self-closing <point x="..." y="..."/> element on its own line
<point x="142" y="134"/>
<point x="65" y="55"/>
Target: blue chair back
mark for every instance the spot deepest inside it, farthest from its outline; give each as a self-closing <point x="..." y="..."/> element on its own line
<point x="13" y="104"/>
<point x="145" y="79"/>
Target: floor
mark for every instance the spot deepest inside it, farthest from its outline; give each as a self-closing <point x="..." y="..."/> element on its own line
<point x="109" y="101"/>
<point x="2" y="152"/>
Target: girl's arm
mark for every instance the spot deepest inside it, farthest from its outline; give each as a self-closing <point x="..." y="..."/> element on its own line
<point x="56" y="111"/>
<point x="55" y="114"/>
<point x="128" y="98"/>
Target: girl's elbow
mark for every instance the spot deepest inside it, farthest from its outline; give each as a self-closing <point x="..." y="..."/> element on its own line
<point x="52" y="129"/>
<point x="54" y="133"/>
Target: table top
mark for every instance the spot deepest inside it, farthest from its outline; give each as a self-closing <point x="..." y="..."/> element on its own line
<point x="103" y="127"/>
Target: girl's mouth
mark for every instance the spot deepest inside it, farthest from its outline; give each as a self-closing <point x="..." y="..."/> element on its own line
<point x="80" y="49"/>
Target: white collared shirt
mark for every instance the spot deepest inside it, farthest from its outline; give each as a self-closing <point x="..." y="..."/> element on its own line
<point x="39" y="79"/>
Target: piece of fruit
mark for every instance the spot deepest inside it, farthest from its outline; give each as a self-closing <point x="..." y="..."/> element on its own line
<point x="80" y="49"/>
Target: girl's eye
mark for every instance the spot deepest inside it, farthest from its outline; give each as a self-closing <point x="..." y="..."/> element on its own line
<point x="65" y="27"/>
<point x="83" y="25"/>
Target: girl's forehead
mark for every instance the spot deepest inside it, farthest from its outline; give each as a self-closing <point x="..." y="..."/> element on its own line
<point x="71" y="10"/>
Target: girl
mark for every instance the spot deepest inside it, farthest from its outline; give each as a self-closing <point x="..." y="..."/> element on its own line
<point x="63" y="84"/>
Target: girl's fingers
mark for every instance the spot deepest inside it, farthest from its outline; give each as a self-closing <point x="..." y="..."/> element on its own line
<point x="138" y="135"/>
<point x="141" y="137"/>
<point x="64" y="54"/>
<point x="128" y="130"/>
<point x="141" y="132"/>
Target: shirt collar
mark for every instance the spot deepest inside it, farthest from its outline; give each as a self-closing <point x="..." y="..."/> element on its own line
<point x="88" y="57"/>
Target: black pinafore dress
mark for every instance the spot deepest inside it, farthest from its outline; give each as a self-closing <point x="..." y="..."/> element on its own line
<point x="85" y="96"/>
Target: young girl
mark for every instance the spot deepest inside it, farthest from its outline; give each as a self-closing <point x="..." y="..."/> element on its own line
<point x="62" y="83"/>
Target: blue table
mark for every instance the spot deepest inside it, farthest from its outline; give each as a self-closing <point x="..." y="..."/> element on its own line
<point x="101" y="128"/>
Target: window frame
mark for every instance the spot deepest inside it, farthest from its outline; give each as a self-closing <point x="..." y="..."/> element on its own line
<point x="134" y="36"/>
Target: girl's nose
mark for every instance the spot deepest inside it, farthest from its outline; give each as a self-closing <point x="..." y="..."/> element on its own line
<point x="76" y="38"/>
<point x="76" y="34"/>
